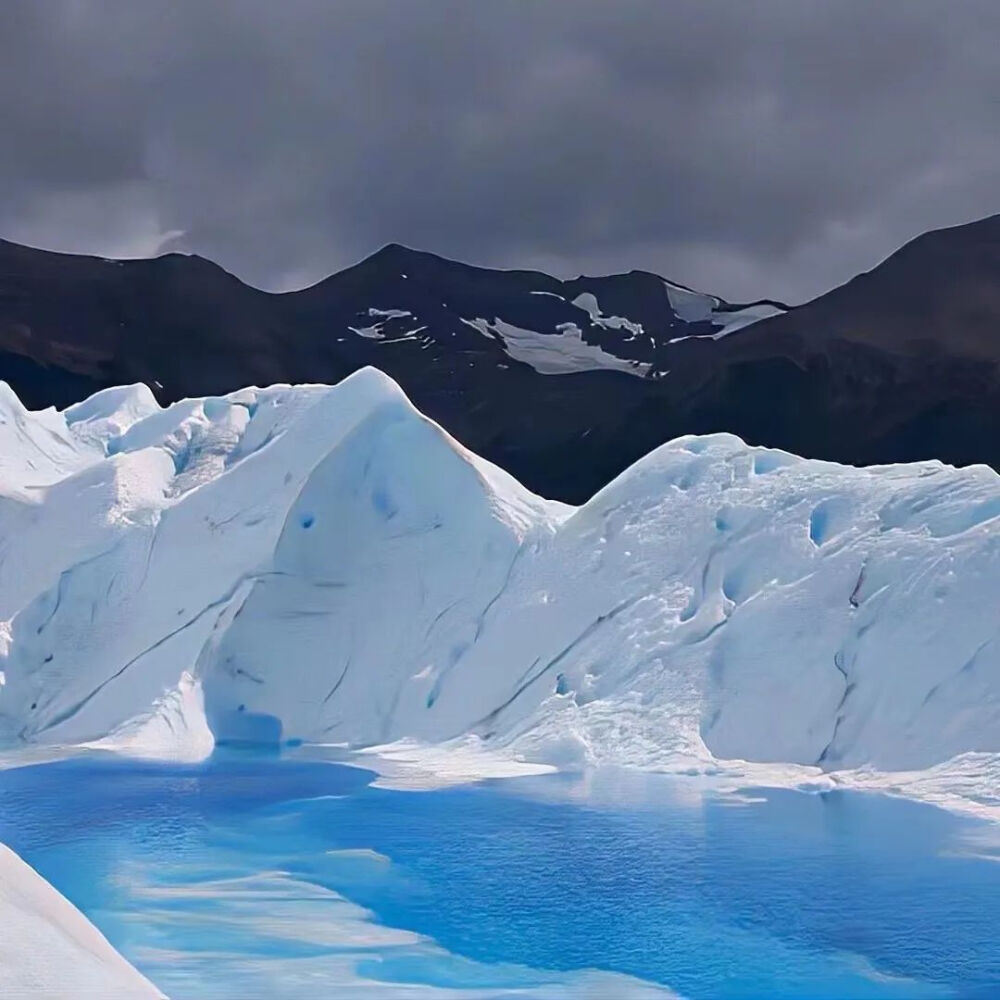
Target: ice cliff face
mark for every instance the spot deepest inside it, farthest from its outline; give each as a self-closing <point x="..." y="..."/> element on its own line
<point x="324" y="564"/>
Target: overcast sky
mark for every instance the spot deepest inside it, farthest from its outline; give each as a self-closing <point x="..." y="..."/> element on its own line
<point x="746" y="148"/>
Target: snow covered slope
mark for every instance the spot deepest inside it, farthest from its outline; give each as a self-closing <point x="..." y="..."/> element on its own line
<point x="48" y="948"/>
<point x="325" y="564"/>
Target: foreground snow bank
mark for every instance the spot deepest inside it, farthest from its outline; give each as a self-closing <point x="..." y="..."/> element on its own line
<point x="48" y="948"/>
<point x="324" y="564"/>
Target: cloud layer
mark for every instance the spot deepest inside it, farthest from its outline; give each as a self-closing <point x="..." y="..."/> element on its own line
<point x="751" y="148"/>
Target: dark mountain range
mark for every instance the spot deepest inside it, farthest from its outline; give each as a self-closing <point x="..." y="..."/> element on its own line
<point x="564" y="383"/>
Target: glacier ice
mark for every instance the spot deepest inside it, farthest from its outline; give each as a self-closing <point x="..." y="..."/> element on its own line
<point x="50" y="950"/>
<point x="325" y="564"/>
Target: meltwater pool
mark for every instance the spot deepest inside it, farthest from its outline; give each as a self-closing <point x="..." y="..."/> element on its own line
<point x="280" y="877"/>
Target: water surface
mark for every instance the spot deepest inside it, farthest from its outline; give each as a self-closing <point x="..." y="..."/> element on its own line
<point x="258" y="876"/>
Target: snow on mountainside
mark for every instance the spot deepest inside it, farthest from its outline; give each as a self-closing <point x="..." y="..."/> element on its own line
<point x="697" y="307"/>
<point x="325" y="564"/>
<point x="900" y="364"/>
<point x="585" y="358"/>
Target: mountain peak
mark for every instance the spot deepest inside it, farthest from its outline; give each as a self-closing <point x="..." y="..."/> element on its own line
<point x="392" y="253"/>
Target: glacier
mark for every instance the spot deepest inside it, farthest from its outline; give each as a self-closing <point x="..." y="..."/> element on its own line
<point x="316" y="564"/>
<point x="324" y="564"/>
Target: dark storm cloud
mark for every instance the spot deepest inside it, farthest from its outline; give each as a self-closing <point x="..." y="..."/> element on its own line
<point x="746" y="147"/>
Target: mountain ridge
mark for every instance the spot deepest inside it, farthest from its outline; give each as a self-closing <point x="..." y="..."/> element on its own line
<point x="565" y="382"/>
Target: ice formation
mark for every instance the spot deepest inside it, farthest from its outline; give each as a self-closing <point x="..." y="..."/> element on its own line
<point x="48" y="948"/>
<point x="325" y="564"/>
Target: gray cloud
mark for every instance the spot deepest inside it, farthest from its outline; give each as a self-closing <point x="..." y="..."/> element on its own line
<point x="751" y="148"/>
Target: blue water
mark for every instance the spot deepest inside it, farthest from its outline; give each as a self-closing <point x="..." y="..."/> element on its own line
<point x="239" y="877"/>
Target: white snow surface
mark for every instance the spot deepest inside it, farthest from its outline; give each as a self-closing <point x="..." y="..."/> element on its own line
<point x="732" y="320"/>
<point x="689" y="305"/>
<point x="587" y="301"/>
<point x="326" y="565"/>
<point x="697" y="307"/>
<point x="48" y="948"/>
<point x="555" y="353"/>
<point x="377" y="332"/>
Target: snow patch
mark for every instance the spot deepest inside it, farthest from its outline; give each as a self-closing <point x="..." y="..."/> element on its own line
<point x="588" y="303"/>
<point x="390" y="313"/>
<point x="368" y="332"/>
<point x="554" y="353"/>
<point x="697" y="307"/>
<point x="689" y="305"/>
<point x="733" y="320"/>
<point x="376" y="331"/>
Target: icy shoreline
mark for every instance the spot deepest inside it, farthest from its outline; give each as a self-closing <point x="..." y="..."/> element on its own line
<point x="968" y="785"/>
